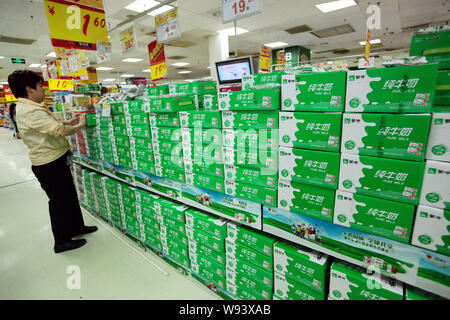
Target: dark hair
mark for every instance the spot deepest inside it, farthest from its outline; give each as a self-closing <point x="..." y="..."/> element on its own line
<point x="20" y="79"/>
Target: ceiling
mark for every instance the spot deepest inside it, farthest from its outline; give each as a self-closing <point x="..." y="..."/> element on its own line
<point x="200" y="19"/>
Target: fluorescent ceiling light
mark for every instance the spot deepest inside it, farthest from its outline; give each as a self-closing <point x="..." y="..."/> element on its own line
<point x="363" y="43"/>
<point x="104" y="68"/>
<point x="4" y="82"/>
<point x="142" y="5"/>
<point x="146" y="70"/>
<point x="230" y="31"/>
<point x="276" y="44"/>
<point x="51" y="54"/>
<point x="109" y="80"/>
<point x="2" y="57"/>
<point x="44" y="66"/>
<point x="185" y="71"/>
<point x="123" y="83"/>
<point x="180" y="64"/>
<point x="127" y="75"/>
<point x="34" y="65"/>
<point x="208" y="67"/>
<point x="335" y="5"/>
<point x="132" y="60"/>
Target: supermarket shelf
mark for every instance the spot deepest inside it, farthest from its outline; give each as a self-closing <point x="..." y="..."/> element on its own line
<point x="146" y="247"/>
<point x="427" y="285"/>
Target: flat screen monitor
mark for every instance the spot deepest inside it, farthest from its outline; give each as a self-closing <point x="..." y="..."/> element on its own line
<point x="232" y="71"/>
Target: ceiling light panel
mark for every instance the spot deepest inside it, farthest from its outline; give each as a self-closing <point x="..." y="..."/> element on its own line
<point x="132" y="60"/>
<point x="276" y="44"/>
<point x="335" y="5"/>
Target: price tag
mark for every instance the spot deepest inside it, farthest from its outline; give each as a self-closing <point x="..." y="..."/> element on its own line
<point x="106" y="110"/>
<point x="128" y="40"/>
<point x="60" y="85"/>
<point x="238" y="9"/>
<point x="75" y="25"/>
<point x="363" y="63"/>
<point x="159" y="71"/>
<point x="167" y="26"/>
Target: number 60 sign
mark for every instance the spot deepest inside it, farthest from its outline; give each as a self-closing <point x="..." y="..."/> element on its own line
<point x="237" y="9"/>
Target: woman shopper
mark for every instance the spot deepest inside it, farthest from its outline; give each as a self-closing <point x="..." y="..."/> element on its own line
<point x="50" y="156"/>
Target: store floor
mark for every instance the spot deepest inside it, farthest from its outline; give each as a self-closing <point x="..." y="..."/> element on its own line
<point x="108" y="267"/>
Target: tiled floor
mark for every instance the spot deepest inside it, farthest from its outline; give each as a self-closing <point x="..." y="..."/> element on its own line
<point x="108" y="268"/>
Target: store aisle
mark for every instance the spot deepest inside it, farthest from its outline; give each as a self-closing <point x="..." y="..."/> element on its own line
<point x="109" y="269"/>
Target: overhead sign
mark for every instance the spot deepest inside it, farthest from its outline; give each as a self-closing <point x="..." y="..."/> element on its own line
<point x="103" y="51"/>
<point x="366" y="63"/>
<point x="128" y="40"/>
<point x="158" y="66"/>
<point x="18" y="60"/>
<point x="281" y="60"/>
<point x="60" y="85"/>
<point x="167" y="26"/>
<point x="91" y="3"/>
<point x="264" y="59"/>
<point x="9" y="96"/>
<point x="75" y="25"/>
<point x="238" y="9"/>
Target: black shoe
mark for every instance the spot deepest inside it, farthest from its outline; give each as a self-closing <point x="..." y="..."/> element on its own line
<point x="86" y="230"/>
<point x="69" y="245"/>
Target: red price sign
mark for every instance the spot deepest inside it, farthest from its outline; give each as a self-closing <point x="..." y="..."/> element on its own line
<point x="60" y="85"/>
<point x="238" y="9"/>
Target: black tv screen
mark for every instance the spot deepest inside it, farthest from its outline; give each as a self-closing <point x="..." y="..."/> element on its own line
<point x="232" y="71"/>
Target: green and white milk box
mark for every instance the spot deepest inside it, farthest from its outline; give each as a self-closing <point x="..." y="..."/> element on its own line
<point x="253" y="193"/>
<point x="431" y="229"/>
<point x="309" y="200"/>
<point x="254" y="176"/>
<point x="250" y="238"/>
<point x="350" y="282"/>
<point x="261" y="99"/>
<point x="174" y="236"/>
<point x="311" y="130"/>
<point x="302" y="264"/>
<point x="170" y="173"/>
<point x="242" y="252"/>
<point x="438" y="143"/>
<point x="204" y="222"/>
<point x="171" y="223"/>
<point x="169" y="119"/>
<point x="166" y="133"/>
<point x="243" y="293"/>
<point x="288" y="288"/>
<point x="206" y="262"/>
<point x="250" y="120"/>
<point x="201" y="136"/>
<point x="201" y="166"/>
<point x="436" y="185"/>
<point x="139" y="143"/>
<point x="309" y="167"/>
<point x="199" y="249"/>
<point x="266" y="160"/>
<point x="205" y="181"/>
<point x="401" y="89"/>
<point x="262" y="80"/>
<point x="384" y="178"/>
<point x="205" y="239"/>
<point x="385" y="218"/>
<point x="398" y="136"/>
<point x="168" y="161"/>
<point x="250" y="138"/>
<point x="318" y="91"/>
<point x="235" y="281"/>
<point x="238" y="266"/>
<point x="167" y="147"/>
<point x="201" y="119"/>
<point x="211" y="153"/>
<point x="170" y="209"/>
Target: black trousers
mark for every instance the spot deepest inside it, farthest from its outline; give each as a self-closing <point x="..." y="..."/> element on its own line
<point x="65" y="213"/>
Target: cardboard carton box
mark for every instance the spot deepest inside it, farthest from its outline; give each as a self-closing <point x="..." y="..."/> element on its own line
<point x="161" y="119"/>
<point x="251" y="192"/>
<point x="167" y="147"/>
<point x="413" y="293"/>
<point x="431" y="229"/>
<point x="301" y="264"/>
<point x="312" y="201"/>
<point x="169" y="161"/>
<point x="205" y="239"/>
<point x="254" y="176"/>
<point x="201" y="136"/>
<point x="309" y="167"/>
<point x="265" y="160"/>
<point x="250" y="238"/>
<point x="436" y="185"/>
<point x="166" y="133"/>
<point x="142" y="154"/>
<point x="208" y="102"/>
<point x="197" y="249"/>
<point x="250" y="120"/>
<point x="309" y="130"/>
<point x="136" y="106"/>
<point x="201" y="119"/>
<point x="244" y="293"/>
<point x="384" y="178"/>
<point x="157" y="91"/>
<point x="170" y="173"/>
<point x="140" y="143"/>
<point x="173" y="210"/>
<point x="205" y="181"/>
<point x="240" y="280"/>
<point x="145" y="197"/>
<point x="171" y="224"/>
<point x="209" y="275"/>
<point x="199" y="153"/>
<point x="261" y="139"/>
<point x="317" y="91"/>
<point x="243" y="267"/>
<point x="381" y="217"/>
<point x="173" y="104"/>
<point x="145" y="166"/>
<point x="139" y="131"/>
<point x="262" y="99"/>
<point x="438" y="147"/>
<point x="402" y="89"/>
<point x="350" y="282"/>
<point x="137" y="119"/>
<point x="398" y="136"/>
<point x="211" y="265"/>
<point x="204" y="167"/>
<point x="262" y="80"/>
<point x="242" y="252"/>
<point x="199" y="220"/>
<point x="288" y="288"/>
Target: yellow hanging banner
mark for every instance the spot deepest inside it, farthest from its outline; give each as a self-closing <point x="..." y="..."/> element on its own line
<point x="75" y="25"/>
<point x="60" y="85"/>
<point x="159" y="71"/>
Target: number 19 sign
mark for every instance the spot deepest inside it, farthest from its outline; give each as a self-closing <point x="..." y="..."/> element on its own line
<point x="237" y="9"/>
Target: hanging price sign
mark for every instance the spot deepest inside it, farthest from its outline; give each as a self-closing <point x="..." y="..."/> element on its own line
<point x="238" y="9"/>
<point x="159" y="71"/>
<point x="128" y="40"/>
<point x="60" y="85"/>
<point x="264" y="59"/>
<point x="167" y="27"/>
<point x="106" y="110"/>
<point x="158" y="66"/>
<point x="75" y="25"/>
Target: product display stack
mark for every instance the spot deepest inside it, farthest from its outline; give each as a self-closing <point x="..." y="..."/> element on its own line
<point x="310" y="138"/>
<point x="249" y="263"/>
<point x="250" y="138"/>
<point x="300" y="273"/>
<point x="206" y="237"/>
<point x="146" y="214"/>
